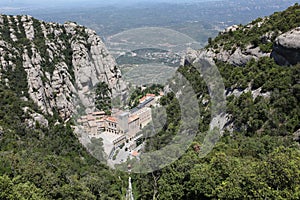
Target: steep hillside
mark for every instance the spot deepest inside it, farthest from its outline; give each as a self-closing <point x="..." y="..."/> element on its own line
<point x="257" y="156"/>
<point x="47" y="72"/>
<point x="238" y="44"/>
<point x="253" y="77"/>
<point x="54" y="64"/>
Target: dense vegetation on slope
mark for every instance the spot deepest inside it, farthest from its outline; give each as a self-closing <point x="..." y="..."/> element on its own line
<point x="256" y="33"/>
<point x="47" y="163"/>
<point x="276" y="114"/>
<point x="258" y="157"/>
<point x="103" y="100"/>
<point x="37" y="161"/>
<point x="138" y="93"/>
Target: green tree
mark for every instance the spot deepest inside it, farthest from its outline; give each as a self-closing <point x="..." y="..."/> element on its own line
<point x="103" y="97"/>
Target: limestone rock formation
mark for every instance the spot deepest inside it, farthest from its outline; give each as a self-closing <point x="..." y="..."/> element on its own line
<point x="62" y="63"/>
<point x="223" y="120"/>
<point x="286" y="49"/>
<point x="35" y="118"/>
<point x="240" y="52"/>
<point x="239" y="57"/>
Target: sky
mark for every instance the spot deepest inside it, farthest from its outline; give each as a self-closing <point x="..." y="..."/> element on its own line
<point x="27" y="3"/>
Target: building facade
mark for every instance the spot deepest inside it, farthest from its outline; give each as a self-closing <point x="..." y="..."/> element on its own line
<point x="124" y="125"/>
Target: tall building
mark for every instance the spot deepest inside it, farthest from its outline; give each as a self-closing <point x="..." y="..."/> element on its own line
<point x="144" y="116"/>
<point x="134" y="126"/>
<point x="123" y="121"/>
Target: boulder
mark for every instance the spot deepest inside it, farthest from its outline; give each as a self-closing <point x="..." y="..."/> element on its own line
<point x="286" y="50"/>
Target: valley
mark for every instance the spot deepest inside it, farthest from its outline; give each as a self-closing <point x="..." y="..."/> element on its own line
<point x="162" y="100"/>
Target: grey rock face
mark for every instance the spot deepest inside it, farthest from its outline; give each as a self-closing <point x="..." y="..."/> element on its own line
<point x="224" y="120"/>
<point x="35" y="118"/>
<point x="63" y="63"/>
<point x="286" y="49"/>
<point x="239" y="57"/>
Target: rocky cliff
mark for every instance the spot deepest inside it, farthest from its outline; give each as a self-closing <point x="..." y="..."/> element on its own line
<point x="55" y="64"/>
<point x="286" y="50"/>
<point x="276" y="34"/>
<point x="245" y="54"/>
<point x="236" y="53"/>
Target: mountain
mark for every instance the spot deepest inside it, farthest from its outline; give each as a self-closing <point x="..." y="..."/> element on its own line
<point x="257" y="155"/>
<point x="48" y="72"/>
<point x="249" y="59"/>
<point x="238" y="44"/>
<point x="45" y="66"/>
<point x="54" y="63"/>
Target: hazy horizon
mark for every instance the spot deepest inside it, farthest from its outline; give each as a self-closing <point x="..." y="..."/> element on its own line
<point x="199" y="19"/>
<point x="24" y="3"/>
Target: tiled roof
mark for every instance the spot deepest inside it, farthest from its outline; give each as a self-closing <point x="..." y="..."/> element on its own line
<point x="111" y="119"/>
<point x="142" y="99"/>
<point x="145" y="97"/>
<point x="100" y="120"/>
<point x="150" y="95"/>
<point x="90" y="117"/>
<point x="135" y="153"/>
<point x="148" y="100"/>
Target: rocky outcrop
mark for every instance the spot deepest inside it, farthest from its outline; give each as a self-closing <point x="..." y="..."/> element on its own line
<point x="286" y="49"/>
<point x="296" y="135"/>
<point x="223" y="120"/>
<point x="63" y="63"/>
<point x="238" y="57"/>
<point x="35" y="118"/>
<point x="225" y="48"/>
